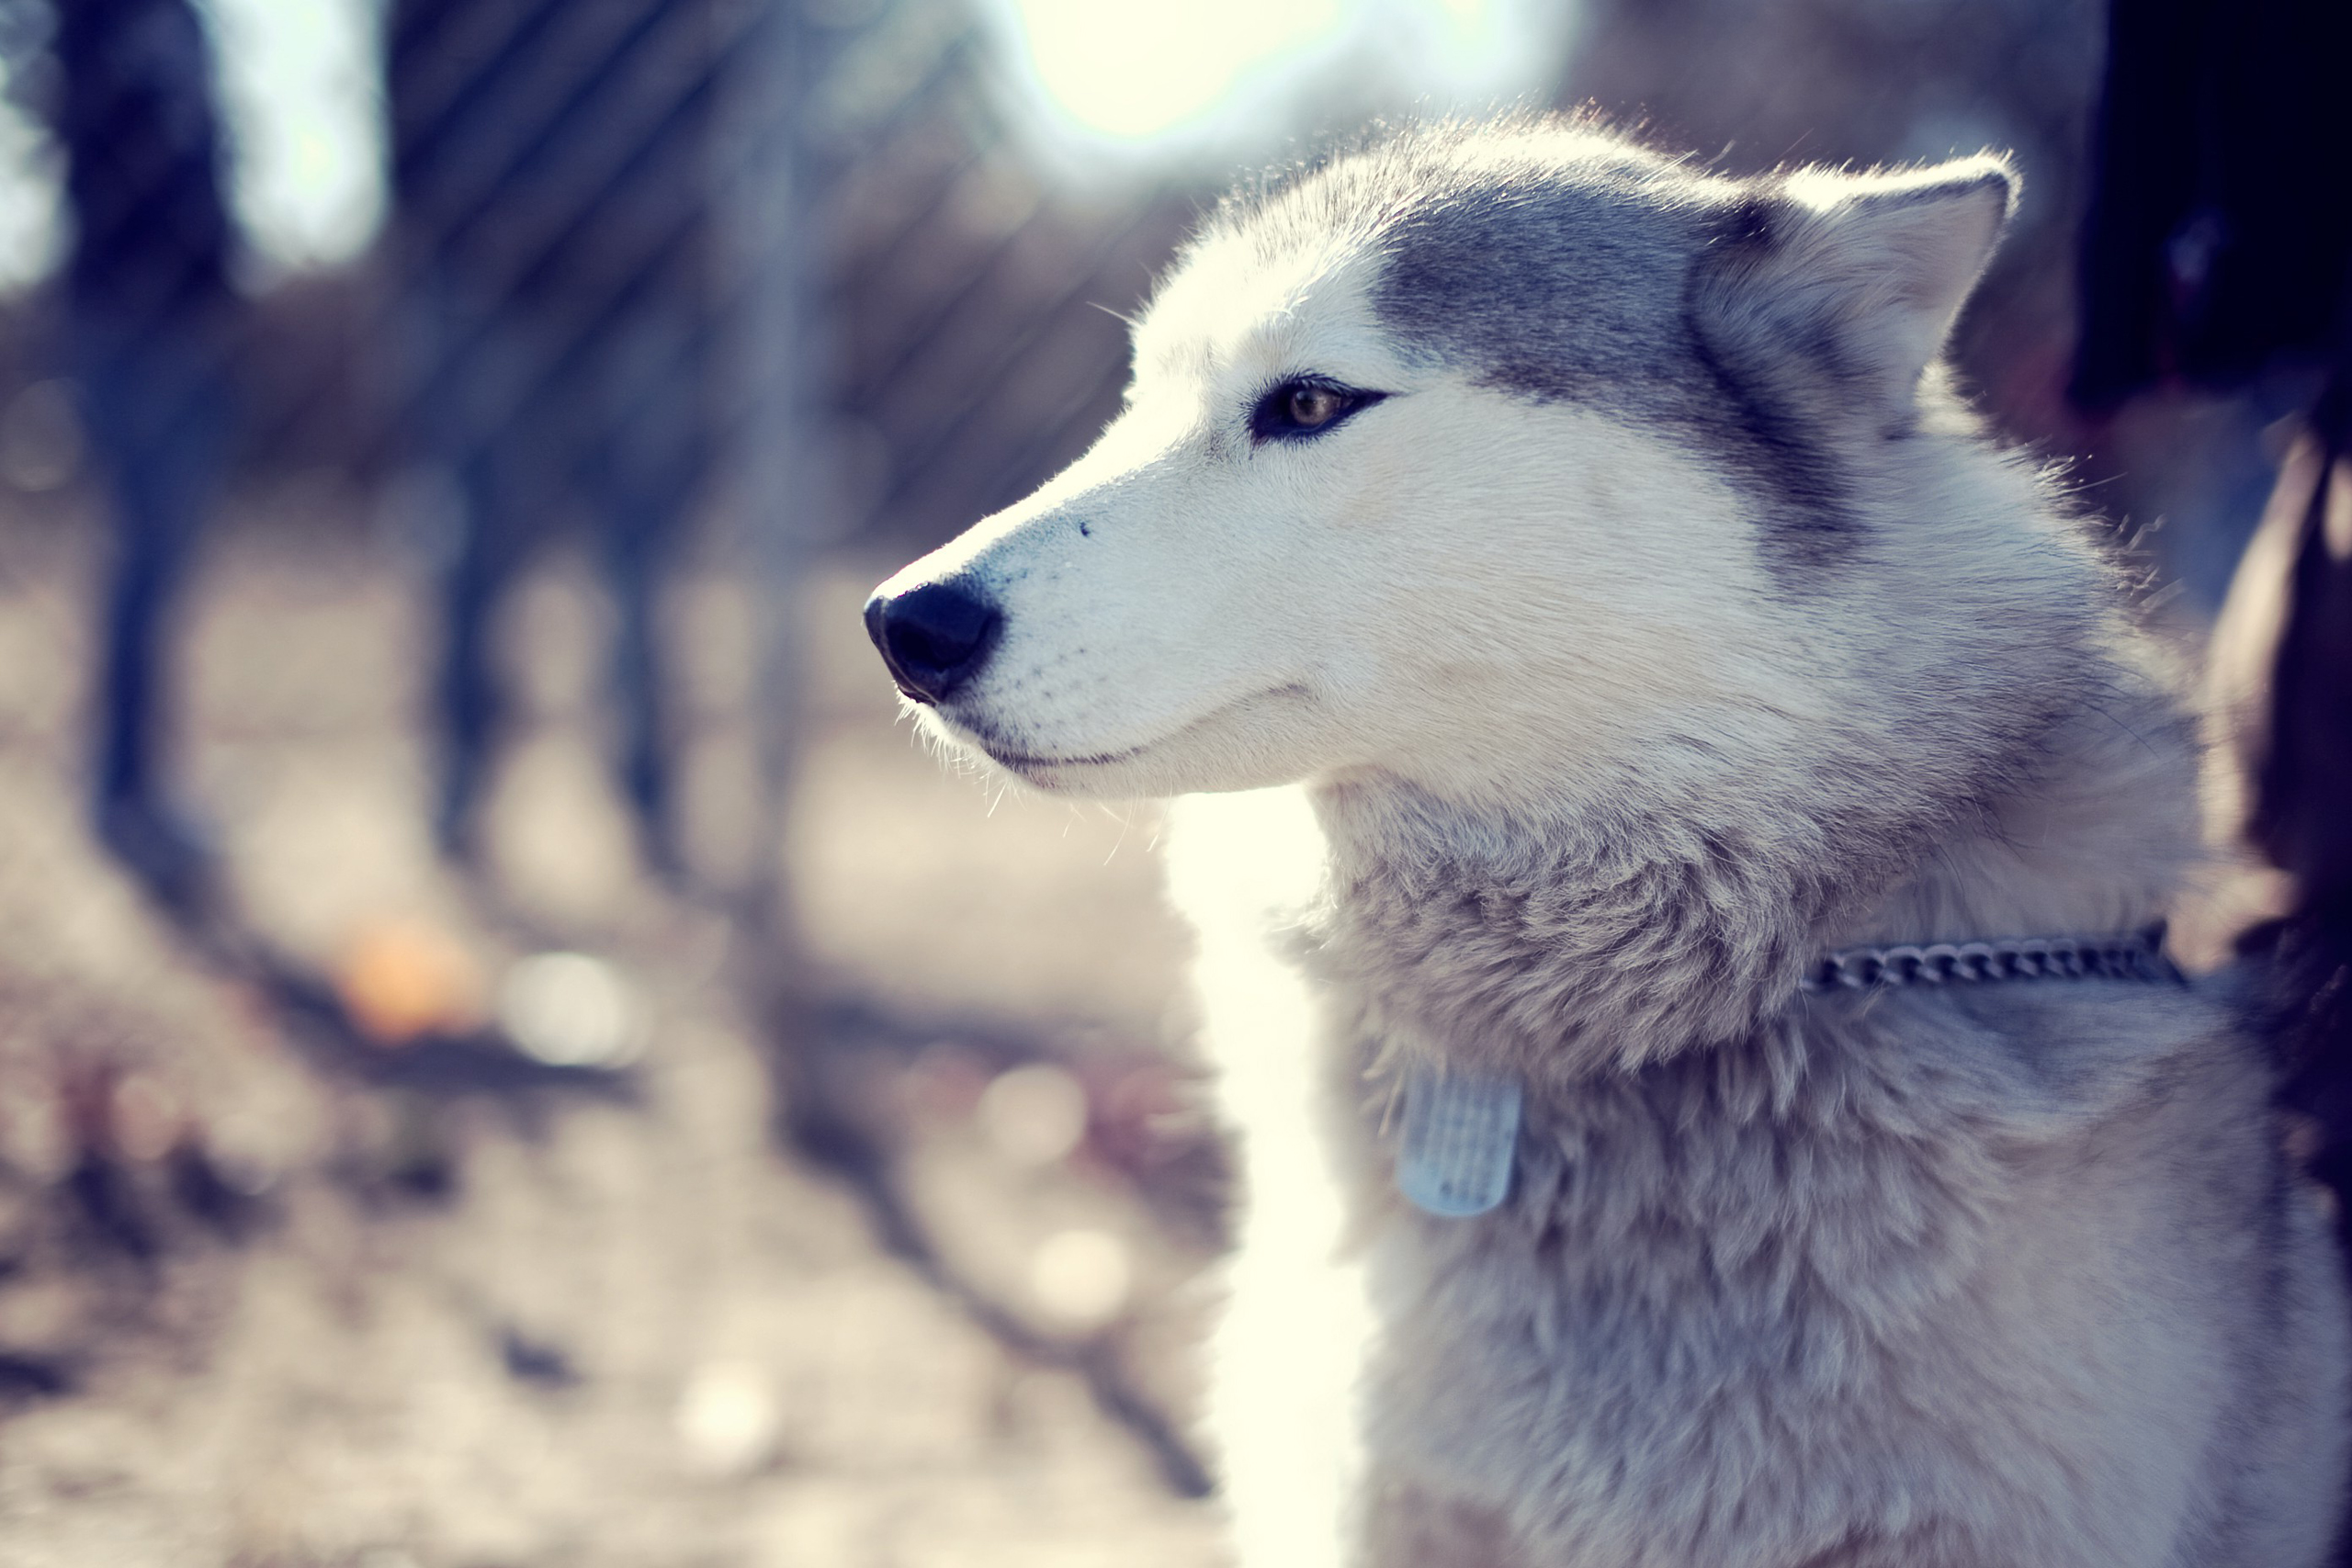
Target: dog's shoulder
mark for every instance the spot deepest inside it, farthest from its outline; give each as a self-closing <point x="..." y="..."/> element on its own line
<point x="2050" y="1060"/>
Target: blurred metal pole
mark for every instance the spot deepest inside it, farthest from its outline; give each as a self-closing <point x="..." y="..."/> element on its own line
<point x="764" y="193"/>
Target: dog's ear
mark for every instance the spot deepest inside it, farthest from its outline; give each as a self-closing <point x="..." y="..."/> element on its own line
<point x="1857" y="276"/>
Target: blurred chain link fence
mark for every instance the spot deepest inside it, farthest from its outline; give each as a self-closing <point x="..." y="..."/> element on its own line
<point x="588" y="204"/>
<point x="567" y="179"/>
<point x="798" y="269"/>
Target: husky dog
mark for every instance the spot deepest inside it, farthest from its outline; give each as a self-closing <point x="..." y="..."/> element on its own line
<point x="1596" y="543"/>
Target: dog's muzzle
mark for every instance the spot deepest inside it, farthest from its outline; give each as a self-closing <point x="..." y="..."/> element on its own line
<point x="935" y="636"/>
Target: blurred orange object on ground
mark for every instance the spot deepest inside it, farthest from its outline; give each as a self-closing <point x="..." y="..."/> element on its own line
<point x="401" y="978"/>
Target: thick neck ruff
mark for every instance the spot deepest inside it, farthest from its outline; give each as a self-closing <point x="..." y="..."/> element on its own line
<point x="1458" y="1143"/>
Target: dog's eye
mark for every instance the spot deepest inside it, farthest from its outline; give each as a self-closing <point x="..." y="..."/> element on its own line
<point x="1305" y="406"/>
<point x="1312" y="408"/>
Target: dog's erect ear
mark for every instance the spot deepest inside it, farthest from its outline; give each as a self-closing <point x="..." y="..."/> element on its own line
<point x="1862" y="275"/>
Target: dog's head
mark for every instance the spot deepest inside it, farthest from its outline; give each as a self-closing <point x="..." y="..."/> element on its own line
<point x="1475" y="459"/>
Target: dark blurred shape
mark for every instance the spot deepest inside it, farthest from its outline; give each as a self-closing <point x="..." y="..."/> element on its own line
<point x="531" y="1360"/>
<point x="33" y="1377"/>
<point x="111" y="1213"/>
<point x="552" y="188"/>
<point x="149" y="309"/>
<point x="2302" y="817"/>
<point x="206" y="1194"/>
<point x="2219" y="250"/>
<point x="2282" y="667"/>
<point x="2217" y="236"/>
<point x="109" y="1200"/>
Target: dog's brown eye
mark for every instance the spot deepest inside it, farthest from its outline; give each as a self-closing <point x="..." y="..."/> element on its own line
<point x="1306" y="406"/>
<point x="1314" y="407"/>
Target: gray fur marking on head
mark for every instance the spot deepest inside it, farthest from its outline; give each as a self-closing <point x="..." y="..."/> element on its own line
<point x="1624" y="280"/>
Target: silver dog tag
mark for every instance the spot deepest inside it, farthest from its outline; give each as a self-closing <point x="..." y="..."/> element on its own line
<point x="1460" y="1140"/>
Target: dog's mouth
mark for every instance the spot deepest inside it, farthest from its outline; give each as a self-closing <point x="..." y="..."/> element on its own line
<point x="1038" y="768"/>
<point x="1025" y="763"/>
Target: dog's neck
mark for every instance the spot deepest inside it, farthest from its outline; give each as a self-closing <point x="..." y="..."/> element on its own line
<point x="1545" y="950"/>
<point x="2097" y="841"/>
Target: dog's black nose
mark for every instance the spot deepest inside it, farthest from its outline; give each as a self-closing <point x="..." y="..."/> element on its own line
<point x="934" y="638"/>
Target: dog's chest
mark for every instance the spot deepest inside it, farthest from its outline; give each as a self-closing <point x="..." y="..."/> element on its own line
<point x="1688" y="1268"/>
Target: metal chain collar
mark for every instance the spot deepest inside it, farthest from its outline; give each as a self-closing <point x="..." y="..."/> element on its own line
<point x="1459" y="1147"/>
<point x="2136" y="957"/>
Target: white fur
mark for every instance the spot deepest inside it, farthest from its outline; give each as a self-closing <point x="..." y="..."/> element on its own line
<point x="1594" y="763"/>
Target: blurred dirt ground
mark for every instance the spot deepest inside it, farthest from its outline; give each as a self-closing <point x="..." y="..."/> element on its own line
<point x="272" y="1293"/>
